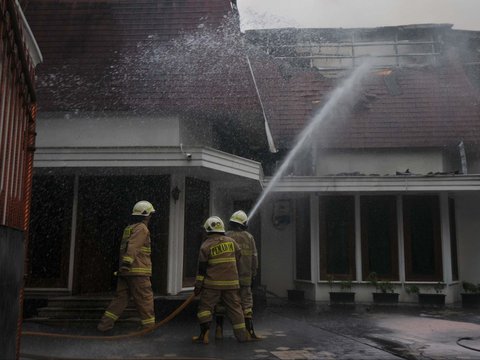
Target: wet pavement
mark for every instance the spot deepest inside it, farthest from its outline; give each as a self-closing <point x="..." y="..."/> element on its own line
<point x="291" y="331"/>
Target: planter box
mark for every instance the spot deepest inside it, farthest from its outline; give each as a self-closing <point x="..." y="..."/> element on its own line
<point x="385" y="298"/>
<point x="342" y="298"/>
<point x="471" y="300"/>
<point x="296" y="295"/>
<point x="431" y="299"/>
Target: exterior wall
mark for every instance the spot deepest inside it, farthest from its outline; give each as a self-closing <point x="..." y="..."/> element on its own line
<point x="277" y="257"/>
<point x="468" y="228"/>
<point x="473" y="163"/>
<point x="114" y="130"/>
<point x="196" y="133"/>
<point x="18" y="57"/>
<point x="11" y="281"/>
<point x="381" y="162"/>
<point x="278" y="265"/>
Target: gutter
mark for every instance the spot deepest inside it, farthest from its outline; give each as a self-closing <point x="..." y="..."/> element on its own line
<point x="14" y="9"/>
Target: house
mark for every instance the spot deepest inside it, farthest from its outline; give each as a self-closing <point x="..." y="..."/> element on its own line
<point x="19" y="56"/>
<point x="388" y="181"/>
<point x="133" y="105"/>
<point x="184" y="111"/>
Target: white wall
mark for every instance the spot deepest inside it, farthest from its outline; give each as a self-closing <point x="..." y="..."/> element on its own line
<point x="380" y="162"/>
<point x="112" y="130"/>
<point x="468" y="236"/>
<point x="196" y="133"/>
<point x="277" y="253"/>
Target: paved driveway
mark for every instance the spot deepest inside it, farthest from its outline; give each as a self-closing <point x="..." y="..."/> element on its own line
<point x="291" y="331"/>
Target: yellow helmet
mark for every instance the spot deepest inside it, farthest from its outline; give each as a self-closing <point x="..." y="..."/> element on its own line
<point x="143" y="208"/>
<point x="214" y="225"/>
<point x="239" y="217"/>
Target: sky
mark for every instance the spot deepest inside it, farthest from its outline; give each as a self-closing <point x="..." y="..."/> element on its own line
<point x="263" y="14"/>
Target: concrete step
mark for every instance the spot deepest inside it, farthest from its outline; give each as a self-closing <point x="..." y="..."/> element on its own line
<point x="79" y="313"/>
<point x="62" y="309"/>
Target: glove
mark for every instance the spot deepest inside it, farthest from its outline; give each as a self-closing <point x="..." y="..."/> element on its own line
<point x="197" y="290"/>
<point x="124" y="267"/>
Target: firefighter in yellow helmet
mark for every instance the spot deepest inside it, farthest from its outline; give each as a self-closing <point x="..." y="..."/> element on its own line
<point x="135" y="270"/>
<point x="247" y="269"/>
<point x="217" y="280"/>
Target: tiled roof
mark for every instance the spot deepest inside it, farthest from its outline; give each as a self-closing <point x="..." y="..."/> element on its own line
<point x="144" y="55"/>
<point x="172" y="56"/>
<point x="432" y="106"/>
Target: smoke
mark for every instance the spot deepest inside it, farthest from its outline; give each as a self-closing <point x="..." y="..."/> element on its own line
<point x="354" y="13"/>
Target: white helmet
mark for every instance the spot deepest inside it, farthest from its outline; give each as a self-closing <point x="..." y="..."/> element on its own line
<point x="214" y="225"/>
<point x="143" y="208"/>
<point x="239" y="217"/>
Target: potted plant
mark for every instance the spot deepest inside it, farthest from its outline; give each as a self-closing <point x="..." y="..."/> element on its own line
<point x="471" y="295"/>
<point x="429" y="299"/>
<point x="412" y="289"/>
<point x="385" y="291"/>
<point x="343" y="297"/>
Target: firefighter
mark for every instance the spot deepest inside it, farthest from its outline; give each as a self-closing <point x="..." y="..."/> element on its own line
<point x="247" y="269"/>
<point x="135" y="270"/>
<point x="217" y="280"/>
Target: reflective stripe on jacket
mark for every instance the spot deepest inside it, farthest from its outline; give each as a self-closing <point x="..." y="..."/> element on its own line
<point x="220" y="253"/>
<point x="135" y="250"/>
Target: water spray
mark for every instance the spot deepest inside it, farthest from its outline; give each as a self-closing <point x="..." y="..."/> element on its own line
<point x="346" y="90"/>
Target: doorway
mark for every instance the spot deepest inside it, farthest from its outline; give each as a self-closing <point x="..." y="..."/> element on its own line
<point x="104" y="209"/>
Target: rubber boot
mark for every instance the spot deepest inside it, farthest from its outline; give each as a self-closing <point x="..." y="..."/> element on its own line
<point x="251" y="332"/>
<point x="219" y="328"/>
<point x="204" y="333"/>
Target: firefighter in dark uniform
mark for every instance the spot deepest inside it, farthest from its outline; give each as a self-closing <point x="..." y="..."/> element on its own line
<point x="247" y="269"/>
<point x="134" y="272"/>
<point x="217" y="280"/>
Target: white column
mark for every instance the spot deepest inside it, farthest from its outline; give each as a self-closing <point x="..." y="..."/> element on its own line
<point x="445" y="238"/>
<point x="401" y="240"/>
<point x="314" y="239"/>
<point x="73" y="232"/>
<point x="176" y="236"/>
<point x="358" y="239"/>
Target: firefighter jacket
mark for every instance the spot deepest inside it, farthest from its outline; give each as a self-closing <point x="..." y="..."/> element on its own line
<point x="217" y="263"/>
<point x="135" y="251"/>
<point x="248" y="263"/>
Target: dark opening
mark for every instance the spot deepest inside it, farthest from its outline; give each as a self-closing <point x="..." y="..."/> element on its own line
<point x="197" y="208"/>
<point x="302" y="239"/>
<point x="337" y="237"/>
<point x="422" y="238"/>
<point x="104" y="209"/>
<point x="50" y="231"/>
<point x="379" y="236"/>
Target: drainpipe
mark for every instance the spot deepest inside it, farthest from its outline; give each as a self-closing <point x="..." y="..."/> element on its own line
<point x="271" y="144"/>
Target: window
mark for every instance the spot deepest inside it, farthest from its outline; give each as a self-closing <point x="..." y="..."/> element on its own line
<point x="337" y="237"/>
<point x="379" y="236"/>
<point x="423" y="261"/>
<point x="302" y="239"/>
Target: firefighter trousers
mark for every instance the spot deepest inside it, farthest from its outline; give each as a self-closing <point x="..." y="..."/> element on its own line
<point x="209" y="298"/>
<point x="246" y="299"/>
<point x="140" y="289"/>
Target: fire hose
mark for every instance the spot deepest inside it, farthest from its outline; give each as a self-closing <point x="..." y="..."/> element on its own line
<point x="177" y="311"/>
